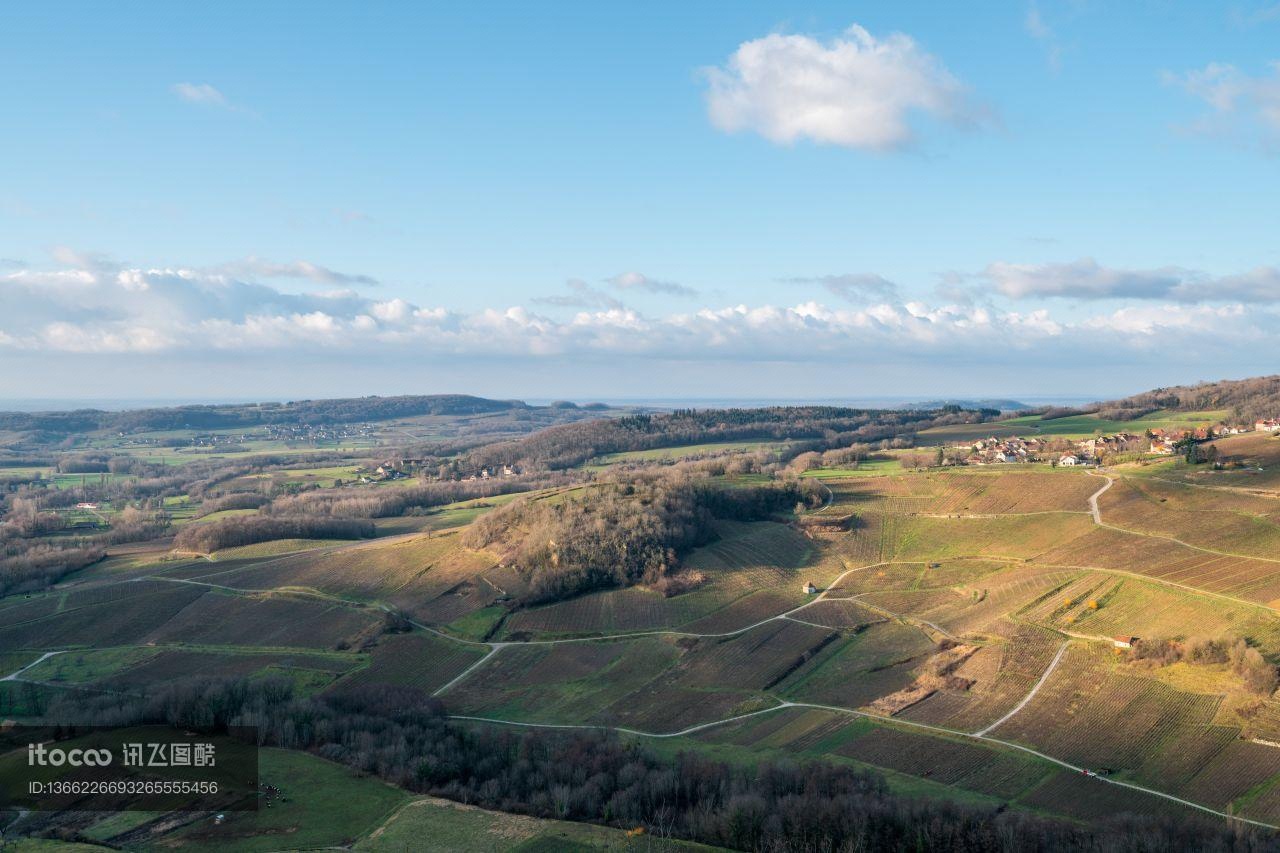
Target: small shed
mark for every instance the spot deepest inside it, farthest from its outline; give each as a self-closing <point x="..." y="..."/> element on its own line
<point x="1124" y="642"/>
<point x="809" y="588"/>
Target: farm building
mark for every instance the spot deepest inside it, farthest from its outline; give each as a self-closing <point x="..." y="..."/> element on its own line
<point x="809" y="588"/>
<point x="1124" y="642"/>
<point x="1268" y="425"/>
<point x="1069" y="460"/>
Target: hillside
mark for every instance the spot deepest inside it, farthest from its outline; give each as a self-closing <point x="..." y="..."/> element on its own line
<point x="1246" y="399"/>
<point x="826" y="426"/>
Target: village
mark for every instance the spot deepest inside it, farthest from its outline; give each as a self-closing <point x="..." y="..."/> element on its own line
<point x="403" y="468"/>
<point x="1095" y="451"/>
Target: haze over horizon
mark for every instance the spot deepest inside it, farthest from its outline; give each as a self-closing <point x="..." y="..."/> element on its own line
<point x="1018" y="200"/>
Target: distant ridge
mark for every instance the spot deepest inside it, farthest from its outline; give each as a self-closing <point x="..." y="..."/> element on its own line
<point x="1001" y="405"/>
<point x="344" y="410"/>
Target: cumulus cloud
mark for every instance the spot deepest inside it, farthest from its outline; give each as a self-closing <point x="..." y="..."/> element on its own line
<point x="640" y="281"/>
<point x="199" y="93"/>
<point x="1238" y="102"/>
<point x="856" y="90"/>
<point x="859" y="288"/>
<point x="1087" y="279"/>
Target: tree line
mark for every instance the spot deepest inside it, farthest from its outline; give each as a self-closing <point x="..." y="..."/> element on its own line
<point x="251" y="529"/>
<point x="398" y="734"/>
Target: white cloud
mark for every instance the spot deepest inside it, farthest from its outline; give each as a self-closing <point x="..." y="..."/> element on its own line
<point x="199" y="93"/>
<point x="640" y="281"/>
<point x="1081" y="279"/>
<point x="855" y="91"/>
<point x="1238" y="102"/>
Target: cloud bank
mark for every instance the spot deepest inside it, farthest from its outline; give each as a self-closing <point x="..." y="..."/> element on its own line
<point x="105" y="310"/>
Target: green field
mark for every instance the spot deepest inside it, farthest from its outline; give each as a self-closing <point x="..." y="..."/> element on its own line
<point x="321" y="805"/>
<point x="1075" y="426"/>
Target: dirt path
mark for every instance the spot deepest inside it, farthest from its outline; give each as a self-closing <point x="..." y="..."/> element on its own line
<point x="1093" y="498"/>
<point x="1097" y="519"/>
<point x="16" y="676"/>
<point x="460" y="676"/>
<point x="1053" y="664"/>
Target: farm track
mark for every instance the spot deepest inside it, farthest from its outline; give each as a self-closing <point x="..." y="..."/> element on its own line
<point x="1053" y="664"/>
<point x="1097" y="519"/>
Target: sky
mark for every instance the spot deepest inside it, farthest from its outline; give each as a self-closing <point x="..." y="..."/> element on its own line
<point x="621" y="201"/>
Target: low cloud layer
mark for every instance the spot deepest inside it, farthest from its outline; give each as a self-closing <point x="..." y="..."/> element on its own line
<point x="856" y="90"/>
<point x="104" y="310"/>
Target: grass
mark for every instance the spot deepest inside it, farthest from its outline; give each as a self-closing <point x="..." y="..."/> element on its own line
<point x="11" y="662"/>
<point x="322" y="804"/>
<point x="477" y="624"/>
<point x="274" y="548"/>
<point x="1074" y="426"/>
<point x="870" y="468"/>
<point x="83" y="666"/>
<point x="1085" y="426"/>
<point x="118" y="823"/>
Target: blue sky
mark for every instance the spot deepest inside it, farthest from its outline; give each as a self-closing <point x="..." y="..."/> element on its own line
<point x="595" y="200"/>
